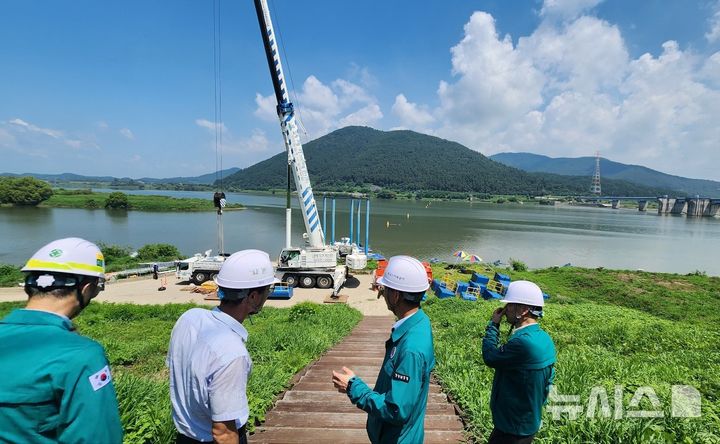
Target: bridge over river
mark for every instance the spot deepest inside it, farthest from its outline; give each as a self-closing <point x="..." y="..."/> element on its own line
<point x="691" y="206"/>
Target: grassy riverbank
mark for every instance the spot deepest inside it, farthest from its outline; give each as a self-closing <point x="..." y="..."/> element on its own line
<point x="281" y="342"/>
<point x="93" y="200"/>
<point x="611" y="328"/>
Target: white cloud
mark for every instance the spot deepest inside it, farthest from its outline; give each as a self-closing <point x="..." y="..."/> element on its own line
<point x="33" y="140"/>
<point x="210" y="126"/>
<point x="321" y="108"/>
<point x="567" y="9"/>
<point x="127" y="134"/>
<point x="266" y="107"/>
<point x="494" y="84"/>
<point x="571" y="88"/>
<point x="713" y="34"/>
<point x="72" y="143"/>
<point x="366" y="116"/>
<point x="257" y="142"/>
<point x="102" y="125"/>
<point x="587" y="55"/>
<point x="411" y="115"/>
<point x="55" y="134"/>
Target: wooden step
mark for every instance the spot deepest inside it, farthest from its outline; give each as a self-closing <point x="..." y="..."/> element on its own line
<point x="307" y="386"/>
<point x="342" y="397"/>
<point x="293" y="435"/>
<point x="439" y="408"/>
<point x="350" y="420"/>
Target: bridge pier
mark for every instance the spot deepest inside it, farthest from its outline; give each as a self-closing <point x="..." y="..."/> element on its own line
<point x="642" y="205"/>
<point x="680" y="206"/>
<point x="696" y="206"/>
<point x="665" y="204"/>
<point x="713" y="208"/>
<point x="615" y="204"/>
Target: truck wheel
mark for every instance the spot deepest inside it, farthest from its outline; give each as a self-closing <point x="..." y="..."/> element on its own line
<point x="212" y="276"/>
<point x="307" y="282"/>
<point x="324" y="282"/>
<point x="199" y="277"/>
<point x="290" y="279"/>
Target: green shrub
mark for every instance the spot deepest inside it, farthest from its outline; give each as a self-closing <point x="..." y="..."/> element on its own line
<point x="10" y="275"/>
<point x="158" y="252"/>
<point x="117" y="201"/>
<point x="303" y="310"/>
<point x="23" y="190"/>
<point x="518" y="265"/>
<point x="92" y="204"/>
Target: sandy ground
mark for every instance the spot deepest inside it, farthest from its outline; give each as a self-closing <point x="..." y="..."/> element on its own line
<point x="145" y="291"/>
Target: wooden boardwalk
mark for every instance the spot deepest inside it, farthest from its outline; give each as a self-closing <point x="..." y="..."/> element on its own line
<point x="313" y="411"/>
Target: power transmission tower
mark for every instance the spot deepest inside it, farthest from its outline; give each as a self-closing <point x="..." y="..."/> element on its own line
<point x="595" y="187"/>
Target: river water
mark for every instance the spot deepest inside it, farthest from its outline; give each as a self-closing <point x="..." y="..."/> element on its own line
<point x="540" y="236"/>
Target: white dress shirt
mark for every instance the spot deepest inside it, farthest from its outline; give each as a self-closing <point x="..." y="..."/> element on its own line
<point x="209" y="368"/>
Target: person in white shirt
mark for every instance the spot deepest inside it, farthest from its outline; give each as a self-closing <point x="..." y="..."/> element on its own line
<point x="208" y="361"/>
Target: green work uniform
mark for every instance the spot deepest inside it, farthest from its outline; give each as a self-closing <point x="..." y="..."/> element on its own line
<point x="523" y="374"/>
<point x="55" y="385"/>
<point x="396" y="408"/>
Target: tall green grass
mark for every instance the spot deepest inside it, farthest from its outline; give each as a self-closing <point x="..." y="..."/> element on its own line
<point x="281" y="342"/>
<point x="610" y="328"/>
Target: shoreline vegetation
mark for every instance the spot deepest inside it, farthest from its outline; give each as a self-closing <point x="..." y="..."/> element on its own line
<point x="91" y="200"/>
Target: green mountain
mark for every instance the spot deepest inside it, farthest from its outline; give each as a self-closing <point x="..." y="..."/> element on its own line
<point x="361" y="159"/>
<point x="205" y="179"/>
<point x="585" y="166"/>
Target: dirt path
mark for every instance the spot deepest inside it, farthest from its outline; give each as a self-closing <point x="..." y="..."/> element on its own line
<point x="145" y="291"/>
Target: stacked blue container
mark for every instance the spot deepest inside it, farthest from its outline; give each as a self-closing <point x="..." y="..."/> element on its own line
<point x="479" y="280"/>
<point x="444" y="293"/>
<point x="281" y="292"/>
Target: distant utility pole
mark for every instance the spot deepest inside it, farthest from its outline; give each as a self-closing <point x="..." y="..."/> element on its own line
<point x="595" y="187"/>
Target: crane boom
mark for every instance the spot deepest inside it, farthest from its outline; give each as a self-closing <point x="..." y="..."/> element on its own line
<point x="286" y="115"/>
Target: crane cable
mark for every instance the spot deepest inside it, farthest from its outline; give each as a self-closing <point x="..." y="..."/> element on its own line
<point x="219" y="197"/>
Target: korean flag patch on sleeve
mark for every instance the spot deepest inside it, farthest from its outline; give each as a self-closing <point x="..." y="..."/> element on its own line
<point x="101" y="378"/>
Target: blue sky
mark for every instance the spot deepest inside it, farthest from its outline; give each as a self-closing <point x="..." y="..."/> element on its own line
<point x="126" y="89"/>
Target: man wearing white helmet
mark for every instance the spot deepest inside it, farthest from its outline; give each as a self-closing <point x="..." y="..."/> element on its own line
<point x="524" y="365"/>
<point x="209" y="363"/>
<point x="396" y="406"/>
<point x="55" y="385"/>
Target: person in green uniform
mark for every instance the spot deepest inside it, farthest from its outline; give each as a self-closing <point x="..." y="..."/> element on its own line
<point x="524" y="365"/>
<point x="55" y="385"/>
<point x="396" y="406"/>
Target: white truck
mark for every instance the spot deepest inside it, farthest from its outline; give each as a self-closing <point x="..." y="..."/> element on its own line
<point x="199" y="268"/>
<point x="317" y="263"/>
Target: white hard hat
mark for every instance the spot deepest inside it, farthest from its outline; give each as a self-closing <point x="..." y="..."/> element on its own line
<point x="71" y="255"/>
<point x="524" y="292"/>
<point x="405" y="273"/>
<point x="246" y="269"/>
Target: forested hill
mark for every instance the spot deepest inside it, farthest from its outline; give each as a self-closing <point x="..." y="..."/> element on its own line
<point x="361" y="158"/>
<point x="584" y="166"/>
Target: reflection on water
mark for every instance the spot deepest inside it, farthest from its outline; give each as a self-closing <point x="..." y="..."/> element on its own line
<point x="538" y="235"/>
